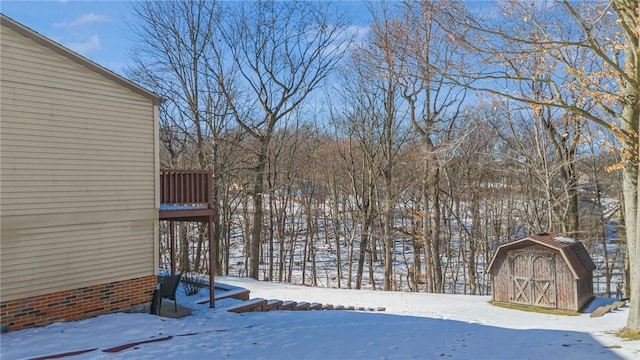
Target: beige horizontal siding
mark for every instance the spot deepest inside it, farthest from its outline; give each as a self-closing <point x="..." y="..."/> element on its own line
<point x="78" y="172"/>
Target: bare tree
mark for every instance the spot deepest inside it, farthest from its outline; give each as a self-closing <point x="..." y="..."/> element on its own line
<point x="283" y="51"/>
<point x="379" y="66"/>
<point x="425" y="51"/>
<point x="358" y="118"/>
<point x="172" y="57"/>
<point x="608" y="32"/>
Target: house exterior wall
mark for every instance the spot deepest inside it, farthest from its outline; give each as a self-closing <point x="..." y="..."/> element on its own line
<point x="79" y="177"/>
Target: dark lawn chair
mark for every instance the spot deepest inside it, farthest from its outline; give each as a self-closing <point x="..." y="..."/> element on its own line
<point x="168" y="290"/>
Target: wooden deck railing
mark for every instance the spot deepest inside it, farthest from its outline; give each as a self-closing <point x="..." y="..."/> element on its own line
<point x="192" y="188"/>
<point x="186" y="187"/>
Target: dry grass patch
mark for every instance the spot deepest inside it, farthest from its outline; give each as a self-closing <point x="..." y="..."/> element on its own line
<point x="629" y="334"/>
<point x="534" y="309"/>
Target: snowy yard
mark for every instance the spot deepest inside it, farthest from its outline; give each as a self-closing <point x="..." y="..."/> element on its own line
<point x="414" y="325"/>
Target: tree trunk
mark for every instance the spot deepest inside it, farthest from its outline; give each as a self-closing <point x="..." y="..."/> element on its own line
<point x="473" y="238"/>
<point x="389" y="243"/>
<point x="631" y="190"/>
<point x="417" y="263"/>
<point x="185" y="263"/>
<point x="372" y="278"/>
<point x="336" y="229"/>
<point x="426" y="228"/>
<point x="630" y="186"/>
<point x="438" y="285"/>
<point x="256" y="231"/>
<point x="364" y="240"/>
<point x="634" y="313"/>
<point x="350" y="261"/>
<point x="217" y="231"/>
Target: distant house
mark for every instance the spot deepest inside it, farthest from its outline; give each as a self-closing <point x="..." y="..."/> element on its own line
<point x="543" y="270"/>
<point x="79" y="187"/>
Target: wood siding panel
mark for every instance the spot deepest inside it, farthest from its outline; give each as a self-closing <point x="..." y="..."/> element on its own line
<point x="566" y="283"/>
<point x="564" y="280"/>
<point x="501" y="281"/>
<point x="585" y="290"/>
<point x="78" y="171"/>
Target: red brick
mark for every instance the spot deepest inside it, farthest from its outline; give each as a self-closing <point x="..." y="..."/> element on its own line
<point x="78" y="303"/>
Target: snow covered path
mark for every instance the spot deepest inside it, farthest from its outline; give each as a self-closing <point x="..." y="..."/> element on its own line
<point x="414" y="326"/>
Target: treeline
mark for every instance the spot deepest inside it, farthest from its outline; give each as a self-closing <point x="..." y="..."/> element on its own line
<point x="324" y="211"/>
<point x="415" y="144"/>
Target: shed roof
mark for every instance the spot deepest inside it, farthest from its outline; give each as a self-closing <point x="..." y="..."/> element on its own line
<point x="73" y="56"/>
<point x="572" y="251"/>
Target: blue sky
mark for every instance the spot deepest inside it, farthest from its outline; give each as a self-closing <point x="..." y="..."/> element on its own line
<point x="97" y="29"/>
<point x="94" y="29"/>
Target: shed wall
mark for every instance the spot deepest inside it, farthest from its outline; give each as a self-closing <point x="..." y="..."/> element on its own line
<point x="78" y="171"/>
<point x="565" y="285"/>
<point x="564" y="280"/>
<point x="500" y="280"/>
<point x="585" y="290"/>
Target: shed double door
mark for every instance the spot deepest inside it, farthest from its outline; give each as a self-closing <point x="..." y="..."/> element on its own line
<point x="532" y="278"/>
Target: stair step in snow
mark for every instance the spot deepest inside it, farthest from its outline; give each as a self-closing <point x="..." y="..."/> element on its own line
<point x="289" y="305"/>
<point x="302" y="306"/>
<point x="274" y="304"/>
<point x="249" y="306"/>
<point x="600" y="311"/>
<point x="618" y="304"/>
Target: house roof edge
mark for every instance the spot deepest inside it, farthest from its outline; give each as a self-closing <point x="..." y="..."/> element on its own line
<point x="77" y="58"/>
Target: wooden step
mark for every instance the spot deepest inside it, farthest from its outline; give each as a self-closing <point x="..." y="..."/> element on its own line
<point x="240" y="294"/>
<point x="274" y="304"/>
<point x="302" y="306"/>
<point x="618" y="304"/>
<point x="600" y="311"/>
<point x="289" y="305"/>
<point x="249" y="306"/>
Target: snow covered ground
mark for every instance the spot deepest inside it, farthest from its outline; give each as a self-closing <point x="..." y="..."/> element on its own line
<point x="414" y="326"/>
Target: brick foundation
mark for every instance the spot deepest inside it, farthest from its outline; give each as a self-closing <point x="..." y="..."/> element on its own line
<point x="77" y="304"/>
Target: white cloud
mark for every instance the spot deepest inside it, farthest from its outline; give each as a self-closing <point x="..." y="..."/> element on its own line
<point x="359" y="32"/>
<point x="82" y="19"/>
<point x="86" y="47"/>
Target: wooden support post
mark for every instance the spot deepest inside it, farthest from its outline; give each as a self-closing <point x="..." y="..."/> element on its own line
<point x="172" y="244"/>
<point x="212" y="265"/>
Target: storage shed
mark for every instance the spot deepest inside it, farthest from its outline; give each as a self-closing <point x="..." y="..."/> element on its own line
<point x="544" y="270"/>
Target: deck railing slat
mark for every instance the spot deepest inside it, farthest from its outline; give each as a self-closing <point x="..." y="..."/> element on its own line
<point x="185" y="187"/>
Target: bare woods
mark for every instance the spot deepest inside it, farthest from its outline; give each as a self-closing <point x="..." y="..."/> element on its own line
<point x="398" y="153"/>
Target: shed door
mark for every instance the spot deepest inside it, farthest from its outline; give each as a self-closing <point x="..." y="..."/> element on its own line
<point x="532" y="278"/>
